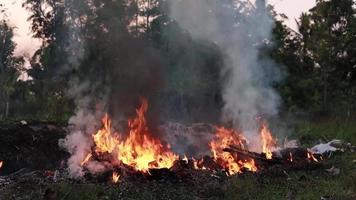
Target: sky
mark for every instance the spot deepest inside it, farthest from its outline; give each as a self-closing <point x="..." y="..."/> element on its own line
<point x="17" y="16"/>
<point x="27" y="45"/>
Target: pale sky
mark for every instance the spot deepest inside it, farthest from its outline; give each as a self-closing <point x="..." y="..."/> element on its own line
<point x="28" y="45"/>
<point x="17" y="15"/>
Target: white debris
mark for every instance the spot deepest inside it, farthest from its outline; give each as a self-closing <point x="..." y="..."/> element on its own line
<point x="334" y="171"/>
<point x="327" y="147"/>
<point x="290" y="143"/>
<point x="23" y="122"/>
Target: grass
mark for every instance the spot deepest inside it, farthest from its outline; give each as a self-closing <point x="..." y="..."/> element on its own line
<point x="277" y="184"/>
<point x="309" y="132"/>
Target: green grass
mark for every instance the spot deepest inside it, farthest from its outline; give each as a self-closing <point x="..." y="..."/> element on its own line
<point x="276" y="184"/>
<point x="309" y="132"/>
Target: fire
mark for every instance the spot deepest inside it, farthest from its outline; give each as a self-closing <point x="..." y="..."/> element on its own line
<point x="115" y="177"/>
<point x="268" y="142"/>
<point x="185" y="159"/>
<point x="290" y="157"/>
<point x="312" y="157"/>
<point x="225" y="138"/>
<point x="104" y="139"/>
<point x="86" y="159"/>
<point x="1" y="163"/>
<point x="139" y="150"/>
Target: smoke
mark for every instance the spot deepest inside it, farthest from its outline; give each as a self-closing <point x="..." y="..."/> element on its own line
<point x="108" y="71"/>
<point x="112" y="71"/>
<point x="240" y="29"/>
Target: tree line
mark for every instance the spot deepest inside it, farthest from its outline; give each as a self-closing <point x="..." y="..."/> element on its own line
<point x="135" y="48"/>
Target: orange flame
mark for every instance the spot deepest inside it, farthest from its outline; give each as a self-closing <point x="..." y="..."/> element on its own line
<point x="1" y="163"/>
<point x="268" y="142"/>
<point x="115" y="177"/>
<point x="311" y="157"/>
<point x="225" y="138"/>
<point x="139" y="150"/>
<point x="86" y="159"/>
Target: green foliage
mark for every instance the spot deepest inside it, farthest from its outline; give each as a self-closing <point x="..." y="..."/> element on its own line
<point x="9" y="68"/>
<point x="107" y="45"/>
<point x="319" y="59"/>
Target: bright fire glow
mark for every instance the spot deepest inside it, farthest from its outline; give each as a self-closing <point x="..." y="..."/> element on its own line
<point x="115" y="177"/>
<point x="86" y="159"/>
<point x="225" y="138"/>
<point x="139" y="150"/>
<point x="185" y="159"/>
<point x="1" y="163"/>
<point x="290" y="157"/>
<point x="268" y="142"/>
<point x="312" y="157"/>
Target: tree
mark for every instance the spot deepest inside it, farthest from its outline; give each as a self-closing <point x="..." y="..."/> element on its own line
<point x="9" y="68"/>
<point x="328" y="40"/>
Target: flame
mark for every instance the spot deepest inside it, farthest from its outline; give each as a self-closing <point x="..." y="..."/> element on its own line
<point x="225" y="138"/>
<point x="195" y="162"/>
<point x="139" y="150"/>
<point x="1" y="163"/>
<point x="86" y="159"/>
<point x="268" y="142"/>
<point x="185" y="159"/>
<point x="115" y="177"/>
<point x="311" y="156"/>
<point x="104" y="139"/>
<point x="290" y="157"/>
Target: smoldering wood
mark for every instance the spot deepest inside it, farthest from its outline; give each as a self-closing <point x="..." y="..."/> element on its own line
<point x="243" y="154"/>
<point x="299" y="159"/>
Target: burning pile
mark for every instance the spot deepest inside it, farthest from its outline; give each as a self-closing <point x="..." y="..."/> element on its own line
<point x="141" y="152"/>
<point x="225" y="138"/>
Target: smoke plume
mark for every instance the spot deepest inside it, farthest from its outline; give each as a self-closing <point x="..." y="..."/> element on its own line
<point x="239" y="29"/>
<point x="114" y="71"/>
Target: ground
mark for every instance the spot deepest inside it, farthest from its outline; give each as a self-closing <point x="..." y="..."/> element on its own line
<point x="276" y="184"/>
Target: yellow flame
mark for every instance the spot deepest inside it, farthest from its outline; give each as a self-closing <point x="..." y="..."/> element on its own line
<point x="86" y="159"/>
<point x="224" y="138"/>
<point x="115" y="177"/>
<point x="139" y="150"/>
<point x="268" y="142"/>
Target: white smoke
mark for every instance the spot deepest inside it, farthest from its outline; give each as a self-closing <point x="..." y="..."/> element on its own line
<point x="89" y="111"/>
<point x="83" y="124"/>
<point x="239" y="29"/>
